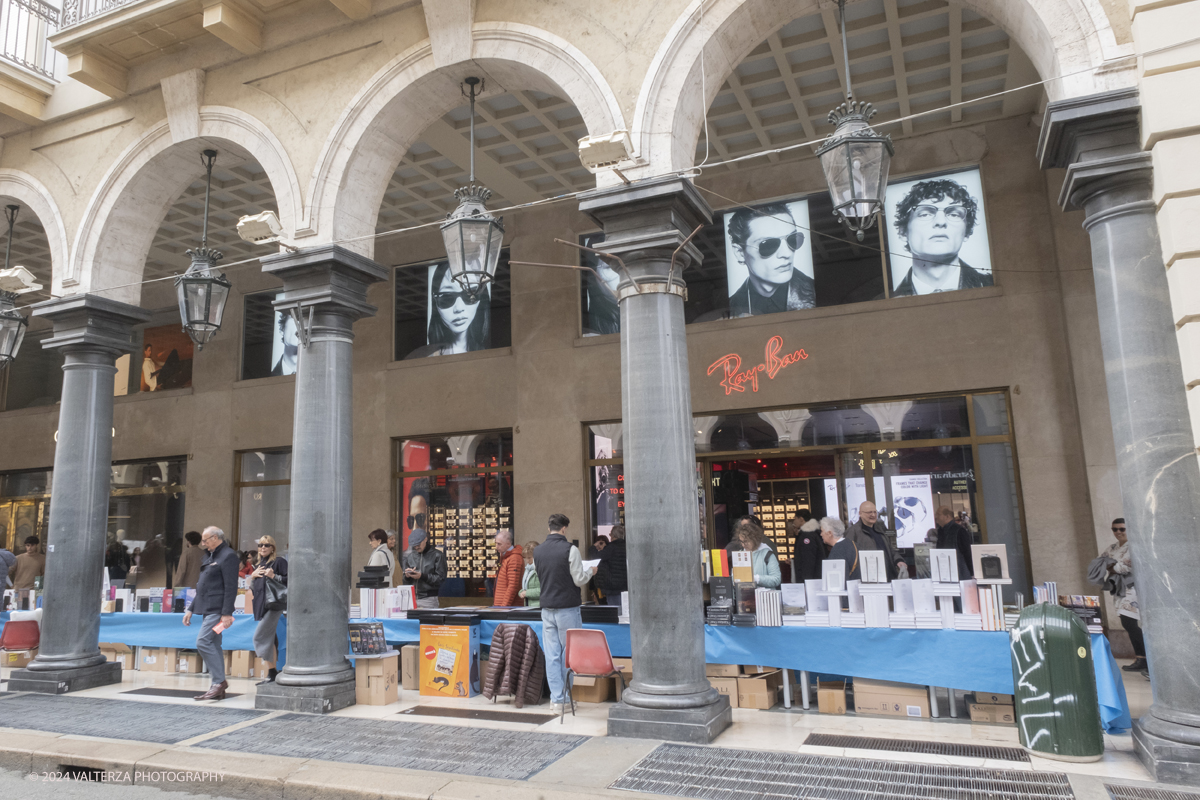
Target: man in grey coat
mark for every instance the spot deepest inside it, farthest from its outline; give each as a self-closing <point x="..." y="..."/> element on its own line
<point x="867" y="534"/>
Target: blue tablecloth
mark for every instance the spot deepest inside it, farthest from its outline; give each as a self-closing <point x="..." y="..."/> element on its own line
<point x="966" y="660"/>
<point x="167" y="630"/>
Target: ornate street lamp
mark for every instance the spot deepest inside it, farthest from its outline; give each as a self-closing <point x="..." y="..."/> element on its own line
<point x="12" y="324"/>
<point x="202" y="293"/>
<point x="855" y="158"/>
<point x="473" y="236"/>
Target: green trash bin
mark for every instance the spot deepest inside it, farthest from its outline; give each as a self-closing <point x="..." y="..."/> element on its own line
<point x="1054" y="697"/>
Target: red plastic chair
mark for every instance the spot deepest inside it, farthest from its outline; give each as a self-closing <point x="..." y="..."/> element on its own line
<point x="23" y="635"/>
<point x="587" y="654"/>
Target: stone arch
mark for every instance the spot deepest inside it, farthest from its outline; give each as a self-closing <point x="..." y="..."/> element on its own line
<point x="124" y="213"/>
<point x="31" y="193"/>
<point x="378" y="125"/>
<point x="1061" y="37"/>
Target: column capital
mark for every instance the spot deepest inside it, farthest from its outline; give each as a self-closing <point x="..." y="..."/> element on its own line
<point x="1095" y="138"/>
<point x="87" y="321"/>
<point x="328" y="276"/>
<point x="648" y="218"/>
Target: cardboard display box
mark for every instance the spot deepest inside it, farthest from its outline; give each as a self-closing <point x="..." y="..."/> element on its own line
<point x="756" y="669"/>
<point x="994" y="699"/>
<point x="156" y="659"/>
<point x="759" y="691"/>
<point x="242" y="664"/>
<point x="831" y="697"/>
<point x="377" y="680"/>
<point x="449" y="657"/>
<point x="118" y="653"/>
<point x="727" y="687"/>
<point x="188" y="661"/>
<point x="410" y="662"/>
<point x="992" y="712"/>
<point x="17" y="658"/>
<point x="586" y="689"/>
<point x="890" y="699"/>
<point x="721" y="670"/>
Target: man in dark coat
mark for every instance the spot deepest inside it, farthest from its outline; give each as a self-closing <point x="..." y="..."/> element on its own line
<point x="952" y="536"/>
<point x="216" y="590"/>
<point x="612" y="575"/>
<point x="867" y="534"/>
<point x="766" y="241"/>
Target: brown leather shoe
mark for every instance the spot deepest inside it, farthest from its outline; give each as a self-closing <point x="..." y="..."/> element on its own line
<point x="215" y="692"/>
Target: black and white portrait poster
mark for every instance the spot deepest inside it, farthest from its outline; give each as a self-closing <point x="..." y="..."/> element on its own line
<point x="768" y="259"/>
<point x="457" y="321"/>
<point x="285" y="346"/>
<point x="937" y="234"/>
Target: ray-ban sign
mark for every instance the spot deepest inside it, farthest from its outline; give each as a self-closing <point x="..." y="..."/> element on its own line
<point x="735" y="378"/>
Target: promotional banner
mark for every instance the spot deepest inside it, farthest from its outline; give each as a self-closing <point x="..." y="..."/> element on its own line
<point x="769" y="259"/>
<point x="912" y="501"/>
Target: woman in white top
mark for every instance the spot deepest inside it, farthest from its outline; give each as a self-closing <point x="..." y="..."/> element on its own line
<point x="381" y="556"/>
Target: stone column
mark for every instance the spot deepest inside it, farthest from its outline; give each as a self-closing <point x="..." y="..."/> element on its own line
<point x="91" y="332"/>
<point x="669" y="698"/>
<point x="1109" y="177"/>
<point x="330" y="283"/>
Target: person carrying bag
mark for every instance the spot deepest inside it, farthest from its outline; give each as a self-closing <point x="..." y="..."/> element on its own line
<point x="268" y="585"/>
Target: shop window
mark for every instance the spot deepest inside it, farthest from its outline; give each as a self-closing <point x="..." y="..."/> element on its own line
<point x="997" y="468"/>
<point x="34" y="378"/>
<point x="24" y="508"/>
<point x="435" y="317"/>
<point x="459" y="490"/>
<point x="270" y="345"/>
<point x="263" y="493"/>
<point x="991" y="414"/>
<point x="145" y="521"/>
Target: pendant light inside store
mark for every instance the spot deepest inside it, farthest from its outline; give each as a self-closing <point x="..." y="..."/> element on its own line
<point x="472" y="236"/>
<point x="855" y="158"/>
<point x="12" y="323"/>
<point x="202" y="293"/>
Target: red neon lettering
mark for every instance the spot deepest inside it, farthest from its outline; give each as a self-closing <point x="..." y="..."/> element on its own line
<point x="735" y="380"/>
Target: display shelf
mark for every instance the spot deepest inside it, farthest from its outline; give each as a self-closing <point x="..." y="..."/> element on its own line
<point x="465" y="534"/>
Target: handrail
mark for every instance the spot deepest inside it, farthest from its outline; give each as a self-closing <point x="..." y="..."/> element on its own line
<point x="76" y="11"/>
<point x="25" y="26"/>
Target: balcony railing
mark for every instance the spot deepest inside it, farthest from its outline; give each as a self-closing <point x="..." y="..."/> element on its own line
<point x="25" y="24"/>
<point x="76" y="11"/>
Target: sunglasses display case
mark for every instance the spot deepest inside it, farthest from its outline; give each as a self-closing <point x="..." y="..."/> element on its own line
<point x="465" y="535"/>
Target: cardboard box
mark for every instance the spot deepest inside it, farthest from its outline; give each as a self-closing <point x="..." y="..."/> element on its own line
<point x="410" y="658"/>
<point x="17" y="658"/>
<point x="586" y="689"/>
<point x="994" y="699"/>
<point x="156" y="659"/>
<point x="756" y="669"/>
<point x="377" y="680"/>
<point x="118" y="653"/>
<point x="243" y="664"/>
<point x="449" y="656"/>
<point x="759" y="691"/>
<point x="992" y="712"/>
<point x="188" y="661"/>
<point x="831" y="697"/>
<point x="625" y="667"/>
<point x="890" y="699"/>
<point x="228" y="660"/>
<point x="727" y="687"/>
<point x="721" y="670"/>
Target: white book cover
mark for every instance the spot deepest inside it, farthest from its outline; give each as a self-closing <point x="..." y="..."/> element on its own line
<point x="969" y="591"/>
<point x="943" y="566"/>
<point x="902" y="596"/>
<point x="833" y="575"/>
<point x="871" y="566"/>
<point x="855" y="597"/>
<point x="922" y="595"/>
<point x="816" y="600"/>
<point x="793" y="594"/>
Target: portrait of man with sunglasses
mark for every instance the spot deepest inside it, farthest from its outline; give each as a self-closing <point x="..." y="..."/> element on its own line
<point x="770" y="244"/>
<point x="934" y="221"/>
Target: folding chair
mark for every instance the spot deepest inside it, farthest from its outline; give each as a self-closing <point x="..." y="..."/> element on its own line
<point x="587" y="654"/>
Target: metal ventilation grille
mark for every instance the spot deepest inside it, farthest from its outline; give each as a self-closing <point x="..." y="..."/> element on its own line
<point x="1147" y="793"/>
<point x="715" y="773"/>
<point x="909" y="746"/>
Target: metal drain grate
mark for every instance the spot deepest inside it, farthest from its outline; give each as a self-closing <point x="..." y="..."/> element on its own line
<point x="485" y="752"/>
<point x="161" y="723"/>
<point x="524" y="717"/>
<point x="716" y="773"/>
<point x="929" y="748"/>
<point x="1147" y="793"/>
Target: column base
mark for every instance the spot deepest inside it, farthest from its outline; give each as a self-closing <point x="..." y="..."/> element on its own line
<point x="321" y="699"/>
<point x="692" y="725"/>
<point x="1168" y="761"/>
<point x="61" y="681"/>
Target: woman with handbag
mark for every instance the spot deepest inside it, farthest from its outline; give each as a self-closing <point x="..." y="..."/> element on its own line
<point x="268" y="585"/>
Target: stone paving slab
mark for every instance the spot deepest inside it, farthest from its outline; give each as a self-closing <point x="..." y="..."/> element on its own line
<point x="118" y="719"/>
<point x="485" y="752"/>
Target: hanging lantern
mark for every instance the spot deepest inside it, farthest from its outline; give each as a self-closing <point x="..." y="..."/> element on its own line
<point x="12" y="328"/>
<point x="855" y="158"/>
<point x="472" y="236"/>
<point x="201" y="292"/>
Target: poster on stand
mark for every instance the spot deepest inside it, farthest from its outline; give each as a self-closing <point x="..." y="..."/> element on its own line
<point x="769" y="259"/>
<point x="912" y="507"/>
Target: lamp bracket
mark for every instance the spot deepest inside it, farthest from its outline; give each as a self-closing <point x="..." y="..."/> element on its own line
<point x="303" y="327"/>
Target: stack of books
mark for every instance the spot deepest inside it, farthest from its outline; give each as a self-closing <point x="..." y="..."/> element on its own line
<point x="623" y="617"/>
<point x="928" y="621"/>
<point x="719" y="615"/>
<point x="817" y="619"/>
<point x="991" y="611"/>
<point x="768" y="608"/>
<point x="904" y="621"/>
<point x="745" y="621"/>
<point x="1046" y="593"/>
<point x="1086" y="607"/>
<point x="968" y="622"/>
<point x="795" y="620"/>
<point x="854" y="619"/>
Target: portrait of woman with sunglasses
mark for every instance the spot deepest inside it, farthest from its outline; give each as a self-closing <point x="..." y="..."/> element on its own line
<point x="459" y="321"/>
<point x="768" y="245"/>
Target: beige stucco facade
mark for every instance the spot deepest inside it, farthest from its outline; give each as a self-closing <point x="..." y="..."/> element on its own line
<point x="329" y="97"/>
